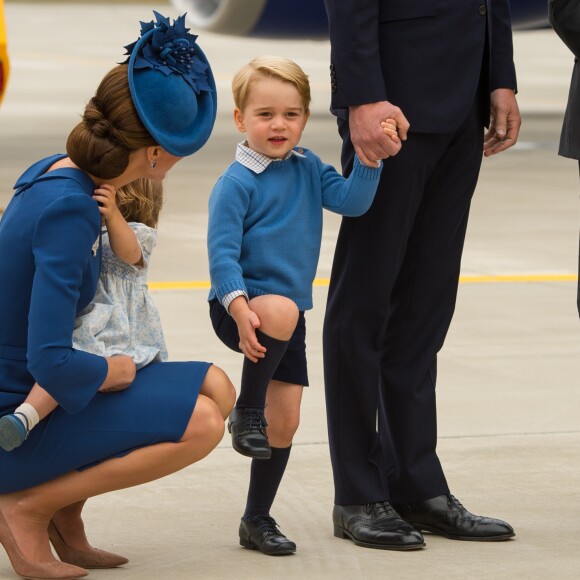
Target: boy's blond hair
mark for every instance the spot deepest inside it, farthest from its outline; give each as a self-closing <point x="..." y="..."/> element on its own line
<point x="269" y="67"/>
<point x="141" y="201"/>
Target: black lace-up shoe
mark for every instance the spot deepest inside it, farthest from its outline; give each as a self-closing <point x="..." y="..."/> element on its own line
<point x="375" y="525"/>
<point x="444" y="515"/>
<point x="262" y="533"/>
<point x="248" y="429"/>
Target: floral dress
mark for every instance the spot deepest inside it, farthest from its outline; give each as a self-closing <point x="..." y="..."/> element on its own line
<point x="122" y="318"/>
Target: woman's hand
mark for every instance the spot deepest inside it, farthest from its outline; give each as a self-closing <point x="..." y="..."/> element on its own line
<point x="121" y="374"/>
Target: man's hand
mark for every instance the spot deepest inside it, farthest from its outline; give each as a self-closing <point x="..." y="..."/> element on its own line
<point x="370" y="142"/>
<point x="505" y="122"/>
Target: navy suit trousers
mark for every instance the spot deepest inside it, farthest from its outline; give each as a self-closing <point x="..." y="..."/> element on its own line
<point x="391" y="299"/>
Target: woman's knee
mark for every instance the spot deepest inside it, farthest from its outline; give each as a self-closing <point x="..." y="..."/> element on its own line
<point x="206" y="423"/>
<point x="218" y="387"/>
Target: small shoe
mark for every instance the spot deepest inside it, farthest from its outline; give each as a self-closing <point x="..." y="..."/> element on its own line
<point x="262" y="533"/>
<point x="248" y="429"/>
<point x="375" y="525"/>
<point x="13" y="432"/>
<point x="35" y="570"/>
<point x="444" y="515"/>
<point x="91" y="559"/>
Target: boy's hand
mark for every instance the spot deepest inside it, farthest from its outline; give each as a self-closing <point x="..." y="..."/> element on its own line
<point x="249" y="344"/>
<point x="106" y="197"/>
<point x="369" y="141"/>
<point x="389" y="127"/>
<point x="247" y="321"/>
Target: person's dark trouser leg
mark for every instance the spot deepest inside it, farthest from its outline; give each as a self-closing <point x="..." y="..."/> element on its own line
<point x="423" y="304"/>
<point x="370" y="253"/>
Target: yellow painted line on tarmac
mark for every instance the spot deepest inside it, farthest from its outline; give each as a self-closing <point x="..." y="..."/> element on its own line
<point x="193" y="285"/>
<point x="488" y="279"/>
<point x="509" y="278"/>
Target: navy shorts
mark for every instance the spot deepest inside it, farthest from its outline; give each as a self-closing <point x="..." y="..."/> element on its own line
<point x="292" y="368"/>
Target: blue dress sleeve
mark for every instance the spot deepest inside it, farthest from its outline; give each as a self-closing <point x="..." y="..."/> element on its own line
<point x="63" y="246"/>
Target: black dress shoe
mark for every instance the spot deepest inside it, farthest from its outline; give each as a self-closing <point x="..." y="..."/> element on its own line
<point x="375" y="525"/>
<point x="262" y="533"/>
<point x="248" y="429"/>
<point x="444" y="515"/>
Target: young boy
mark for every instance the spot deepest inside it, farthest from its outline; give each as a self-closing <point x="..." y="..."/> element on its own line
<point x="264" y="235"/>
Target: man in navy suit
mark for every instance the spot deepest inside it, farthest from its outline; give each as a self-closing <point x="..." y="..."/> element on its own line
<point x="565" y="18"/>
<point x="444" y="67"/>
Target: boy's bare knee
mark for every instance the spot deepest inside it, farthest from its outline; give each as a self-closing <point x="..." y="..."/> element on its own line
<point x="278" y="315"/>
<point x="281" y="433"/>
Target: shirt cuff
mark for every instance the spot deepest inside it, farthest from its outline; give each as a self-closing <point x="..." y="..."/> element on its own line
<point x="230" y="297"/>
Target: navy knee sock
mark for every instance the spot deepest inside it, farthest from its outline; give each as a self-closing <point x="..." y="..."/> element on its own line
<point x="256" y="376"/>
<point x="265" y="477"/>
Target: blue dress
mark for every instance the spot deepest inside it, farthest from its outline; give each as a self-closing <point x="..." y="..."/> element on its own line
<point x="50" y="254"/>
<point x="122" y="317"/>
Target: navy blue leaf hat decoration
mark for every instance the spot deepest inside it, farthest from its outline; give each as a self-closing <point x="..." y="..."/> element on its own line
<point x="172" y="85"/>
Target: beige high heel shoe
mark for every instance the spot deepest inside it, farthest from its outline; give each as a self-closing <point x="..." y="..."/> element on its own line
<point x="36" y="571"/>
<point x="94" y="558"/>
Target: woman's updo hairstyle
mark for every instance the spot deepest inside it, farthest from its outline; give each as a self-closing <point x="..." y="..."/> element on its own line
<point x="110" y="129"/>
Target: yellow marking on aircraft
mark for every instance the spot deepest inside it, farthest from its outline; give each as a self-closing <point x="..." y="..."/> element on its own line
<point x="484" y="279"/>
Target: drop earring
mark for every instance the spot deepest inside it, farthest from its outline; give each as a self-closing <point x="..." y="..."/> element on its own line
<point x="154" y="164"/>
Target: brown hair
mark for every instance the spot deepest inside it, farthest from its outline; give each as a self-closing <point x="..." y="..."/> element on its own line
<point x="141" y="201"/>
<point x="110" y="129"/>
<point x="269" y="67"/>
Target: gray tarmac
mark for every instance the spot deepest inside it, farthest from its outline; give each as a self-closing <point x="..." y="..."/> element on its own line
<point x="509" y="373"/>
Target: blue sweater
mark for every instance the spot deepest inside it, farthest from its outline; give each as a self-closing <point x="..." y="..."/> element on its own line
<point x="265" y="229"/>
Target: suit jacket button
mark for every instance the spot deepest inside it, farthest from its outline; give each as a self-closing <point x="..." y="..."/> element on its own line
<point x="483" y="9"/>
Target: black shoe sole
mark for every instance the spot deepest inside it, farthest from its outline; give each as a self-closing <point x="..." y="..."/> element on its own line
<point x="267" y="453"/>
<point x="436" y="532"/>
<point x="340" y="532"/>
<point x="250" y="546"/>
<point x="245" y="453"/>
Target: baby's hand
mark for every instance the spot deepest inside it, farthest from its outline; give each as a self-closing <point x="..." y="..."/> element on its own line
<point x="106" y="197"/>
<point x="389" y="127"/>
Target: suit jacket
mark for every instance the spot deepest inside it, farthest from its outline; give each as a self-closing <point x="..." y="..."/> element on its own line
<point x="429" y="57"/>
<point x="565" y="18"/>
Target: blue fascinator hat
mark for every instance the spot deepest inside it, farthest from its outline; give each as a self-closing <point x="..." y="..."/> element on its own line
<point x="172" y="85"/>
